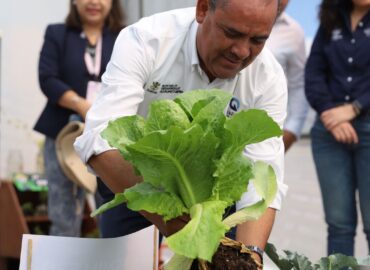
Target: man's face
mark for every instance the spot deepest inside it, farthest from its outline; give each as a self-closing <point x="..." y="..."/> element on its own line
<point x="230" y="37"/>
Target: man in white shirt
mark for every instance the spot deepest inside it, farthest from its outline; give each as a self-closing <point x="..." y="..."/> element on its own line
<point x="287" y="43"/>
<point x="217" y="45"/>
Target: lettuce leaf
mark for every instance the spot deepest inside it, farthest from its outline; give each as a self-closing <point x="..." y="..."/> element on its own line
<point x="190" y="156"/>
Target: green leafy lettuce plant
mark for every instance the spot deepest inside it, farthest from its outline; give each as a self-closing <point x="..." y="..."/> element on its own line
<point x="190" y="156"/>
<point x="295" y="261"/>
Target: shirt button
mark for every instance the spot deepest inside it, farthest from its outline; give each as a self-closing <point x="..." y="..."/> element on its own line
<point x="347" y="98"/>
<point x="349" y="79"/>
<point x="360" y="24"/>
<point x="353" y="41"/>
<point x="350" y="60"/>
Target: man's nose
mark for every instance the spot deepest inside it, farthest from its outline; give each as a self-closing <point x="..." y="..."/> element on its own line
<point x="241" y="49"/>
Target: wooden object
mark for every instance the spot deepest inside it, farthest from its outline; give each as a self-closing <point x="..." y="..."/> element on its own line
<point x="13" y="222"/>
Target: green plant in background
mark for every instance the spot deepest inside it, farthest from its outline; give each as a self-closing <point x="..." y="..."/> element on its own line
<point x="295" y="261"/>
<point x="28" y="208"/>
<point x="190" y="157"/>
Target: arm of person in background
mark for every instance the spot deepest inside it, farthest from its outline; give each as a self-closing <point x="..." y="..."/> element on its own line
<point x="297" y="103"/>
<point x="318" y="96"/>
<point x="317" y="70"/>
<point x="57" y="91"/>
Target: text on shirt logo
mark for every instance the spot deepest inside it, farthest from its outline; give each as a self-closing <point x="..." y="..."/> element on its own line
<point x="336" y="34"/>
<point x="233" y="107"/>
<point x="367" y="32"/>
<point x="156" y="88"/>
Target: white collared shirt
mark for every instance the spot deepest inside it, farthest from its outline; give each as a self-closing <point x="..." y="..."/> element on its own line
<point x="287" y="43"/>
<point x="157" y="58"/>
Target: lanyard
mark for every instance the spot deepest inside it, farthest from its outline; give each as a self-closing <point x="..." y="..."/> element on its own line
<point x="94" y="67"/>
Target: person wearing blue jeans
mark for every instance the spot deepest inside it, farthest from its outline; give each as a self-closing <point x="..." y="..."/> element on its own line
<point x="342" y="169"/>
<point x="337" y="84"/>
<point x="72" y="60"/>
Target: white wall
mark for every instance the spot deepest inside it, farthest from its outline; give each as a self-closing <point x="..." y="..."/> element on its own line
<point x="22" y="25"/>
<point x="137" y="8"/>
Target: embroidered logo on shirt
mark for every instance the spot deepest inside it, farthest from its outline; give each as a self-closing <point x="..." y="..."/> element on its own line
<point x="154" y="87"/>
<point x="367" y="32"/>
<point x="233" y="107"/>
<point x="171" y="88"/>
<point x="157" y="87"/>
<point x="336" y="35"/>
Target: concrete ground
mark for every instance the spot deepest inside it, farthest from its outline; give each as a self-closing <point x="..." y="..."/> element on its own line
<point x="300" y="224"/>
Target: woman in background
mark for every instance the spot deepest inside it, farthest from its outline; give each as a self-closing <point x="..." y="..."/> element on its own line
<point x="338" y="88"/>
<point x="72" y="60"/>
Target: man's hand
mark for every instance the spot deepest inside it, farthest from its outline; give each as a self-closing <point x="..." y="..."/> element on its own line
<point x="345" y="133"/>
<point x="166" y="228"/>
<point x="256" y="233"/>
<point x="289" y="138"/>
<point x="337" y="115"/>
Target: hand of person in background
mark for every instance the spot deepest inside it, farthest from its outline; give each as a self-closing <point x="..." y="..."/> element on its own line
<point x="333" y="117"/>
<point x="289" y="138"/>
<point x="82" y="106"/>
<point x="74" y="102"/>
<point x="345" y="133"/>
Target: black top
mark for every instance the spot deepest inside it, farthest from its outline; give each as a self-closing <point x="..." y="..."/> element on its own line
<point x="62" y="67"/>
<point x="338" y="68"/>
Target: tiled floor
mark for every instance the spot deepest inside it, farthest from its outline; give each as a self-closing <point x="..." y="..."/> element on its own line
<point x="300" y="224"/>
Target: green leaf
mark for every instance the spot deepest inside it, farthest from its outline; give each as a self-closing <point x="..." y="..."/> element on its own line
<point x="145" y="196"/>
<point x="119" y="198"/>
<point x="299" y="262"/>
<point x="201" y="237"/>
<point x="252" y="212"/>
<point x="336" y="262"/>
<point x="209" y="114"/>
<point x="179" y="262"/>
<point x="252" y="126"/>
<point x="179" y="161"/>
<point x="164" y="114"/>
<point x="264" y="181"/>
<point x="364" y="261"/>
<point x="231" y="176"/>
<point x="281" y="262"/>
<point x="124" y="131"/>
<point x="190" y="99"/>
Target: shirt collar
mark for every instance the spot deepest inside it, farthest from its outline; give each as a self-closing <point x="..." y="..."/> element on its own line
<point x="283" y="18"/>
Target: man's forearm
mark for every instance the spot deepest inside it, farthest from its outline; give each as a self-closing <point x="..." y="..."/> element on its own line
<point x="115" y="172"/>
<point x="256" y="233"/>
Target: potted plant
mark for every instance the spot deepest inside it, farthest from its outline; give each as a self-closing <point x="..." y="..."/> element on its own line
<point x="190" y="156"/>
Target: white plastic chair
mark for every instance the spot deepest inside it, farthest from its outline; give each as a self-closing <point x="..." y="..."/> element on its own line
<point x="137" y="251"/>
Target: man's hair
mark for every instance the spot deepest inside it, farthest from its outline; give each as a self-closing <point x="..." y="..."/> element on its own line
<point x="213" y="4"/>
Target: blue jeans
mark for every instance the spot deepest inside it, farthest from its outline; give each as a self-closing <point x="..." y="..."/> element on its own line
<point x="343" y="170"/>
<point x="65" y="199"/>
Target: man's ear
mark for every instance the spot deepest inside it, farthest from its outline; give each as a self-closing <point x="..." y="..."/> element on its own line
<point x="201" y="10"/>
